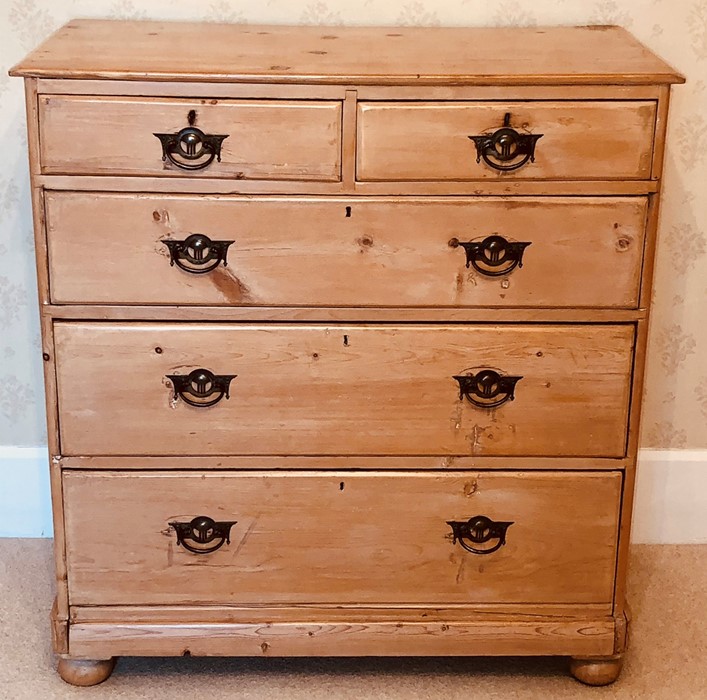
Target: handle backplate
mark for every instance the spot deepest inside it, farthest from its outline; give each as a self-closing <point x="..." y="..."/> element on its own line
<point x="190" y="148"/>
<point x="197" y="254"/>
<point x="479" y="530"/>
<point x="494" y="256"/>
<point x="487" y="388"/>
<point x="201" y="388"/>
<point x="203" y="535"/>
<point x="506" y="149"/>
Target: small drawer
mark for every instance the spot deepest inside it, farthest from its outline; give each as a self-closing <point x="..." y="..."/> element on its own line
<point x="222" y="389"/>
<point x="235" y="139"/>
<point x="383" y="252"/>
<point x="520" y="140"/>
<point x="341" y="538"/>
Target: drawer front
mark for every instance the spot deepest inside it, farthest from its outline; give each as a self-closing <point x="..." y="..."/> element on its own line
<point x="346" y="252"/>
<point x="341" y="538"/>
<point x="266" y="140"/>
<point x="343" y="389"/>
<point x="431" y="140"/>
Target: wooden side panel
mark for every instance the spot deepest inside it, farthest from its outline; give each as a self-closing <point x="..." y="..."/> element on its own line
<point x="343" y="389"/>
<point x="60" y="610"/>
<point x="267" y="140"/>
<point x="583" y="252"/>
<point x="430" y="141"/>
<point x="338" y="538"/>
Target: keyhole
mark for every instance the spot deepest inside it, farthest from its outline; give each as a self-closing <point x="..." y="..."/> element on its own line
<point x="191" y="117"/>
<point x="348" y="212"/>
<point x="346" y="341"/>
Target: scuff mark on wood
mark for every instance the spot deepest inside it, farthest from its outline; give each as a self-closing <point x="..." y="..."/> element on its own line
<point x="474" y="438"/>
<point x="470" y="488"/>
<point x="460" y="571"/>
<point x="456" y="417"/>
<point x="247" y="535"/>
<point x="459" y="283"/>
<point x="231" y="287"/>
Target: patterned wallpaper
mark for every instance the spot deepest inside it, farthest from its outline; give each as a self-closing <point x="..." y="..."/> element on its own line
<point x="676" y="410"/>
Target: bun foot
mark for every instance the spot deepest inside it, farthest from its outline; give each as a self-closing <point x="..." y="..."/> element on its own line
<point x="597" y="671"/>
<point x="85" y="672"/>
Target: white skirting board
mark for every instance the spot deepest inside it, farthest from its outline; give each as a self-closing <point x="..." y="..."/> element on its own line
<point x="671" y="495"/>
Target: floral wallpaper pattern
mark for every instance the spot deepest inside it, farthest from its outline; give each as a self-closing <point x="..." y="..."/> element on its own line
<point x="676" y="409"/>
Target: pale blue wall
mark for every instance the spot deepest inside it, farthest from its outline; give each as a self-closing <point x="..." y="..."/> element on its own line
<point x="25" y="504"/>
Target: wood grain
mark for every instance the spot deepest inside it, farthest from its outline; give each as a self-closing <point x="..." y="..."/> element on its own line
<point x="289" y="91"/>
<point x="271" y="140"/>
<point x="351" y="613"/>
<point x="501" y="638"/>
<point x="339" y="389"/>
<point x="446" y="463"/>
<point x="379" y="55"/>
<point x="430" y="140"/>
<point x="61" y="604"/>
<point x="350" y="314"/>
<point x="341" y="538"/>
<point x="211" y="185"/>
<point x="344" y="447"/>
<point x="584" y="252"/>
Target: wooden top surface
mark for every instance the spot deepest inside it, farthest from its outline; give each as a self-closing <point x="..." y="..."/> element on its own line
<point x="139" y="50"/>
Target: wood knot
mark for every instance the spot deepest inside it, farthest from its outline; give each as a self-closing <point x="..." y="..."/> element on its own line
<point x="365" y="241"/>
<point x="623" y="244"/>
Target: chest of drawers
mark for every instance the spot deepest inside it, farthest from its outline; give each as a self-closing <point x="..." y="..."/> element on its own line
<point x="343" y="335"/>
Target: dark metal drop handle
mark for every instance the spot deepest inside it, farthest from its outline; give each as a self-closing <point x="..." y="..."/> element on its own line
<point x="494" y="256"/>
<point x="479" y="530"/>
<point x="191" y="148"/>
<point x="197" y="254"/>
<point x="506" y="149"/>
<point x="202" y="531"/>
<point x="201" y="388"/>
<point x="487" y="388"/>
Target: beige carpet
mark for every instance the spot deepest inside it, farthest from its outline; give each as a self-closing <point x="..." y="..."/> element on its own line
<point x="667" y="656"/>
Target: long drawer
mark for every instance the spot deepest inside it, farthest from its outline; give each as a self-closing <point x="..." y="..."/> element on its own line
<point x="235" y="139"/>
<point x="457" y="252"/>
<point x="584" y="140"/>
<point x="404" y="538"/>
<point x="220" y="389"/>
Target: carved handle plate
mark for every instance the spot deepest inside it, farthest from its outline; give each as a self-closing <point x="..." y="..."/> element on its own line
<point x="479" y="530"/>
<point x="203" y="535"/>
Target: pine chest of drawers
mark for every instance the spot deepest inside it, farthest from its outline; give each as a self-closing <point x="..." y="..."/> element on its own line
<point x="343" y="331"/>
